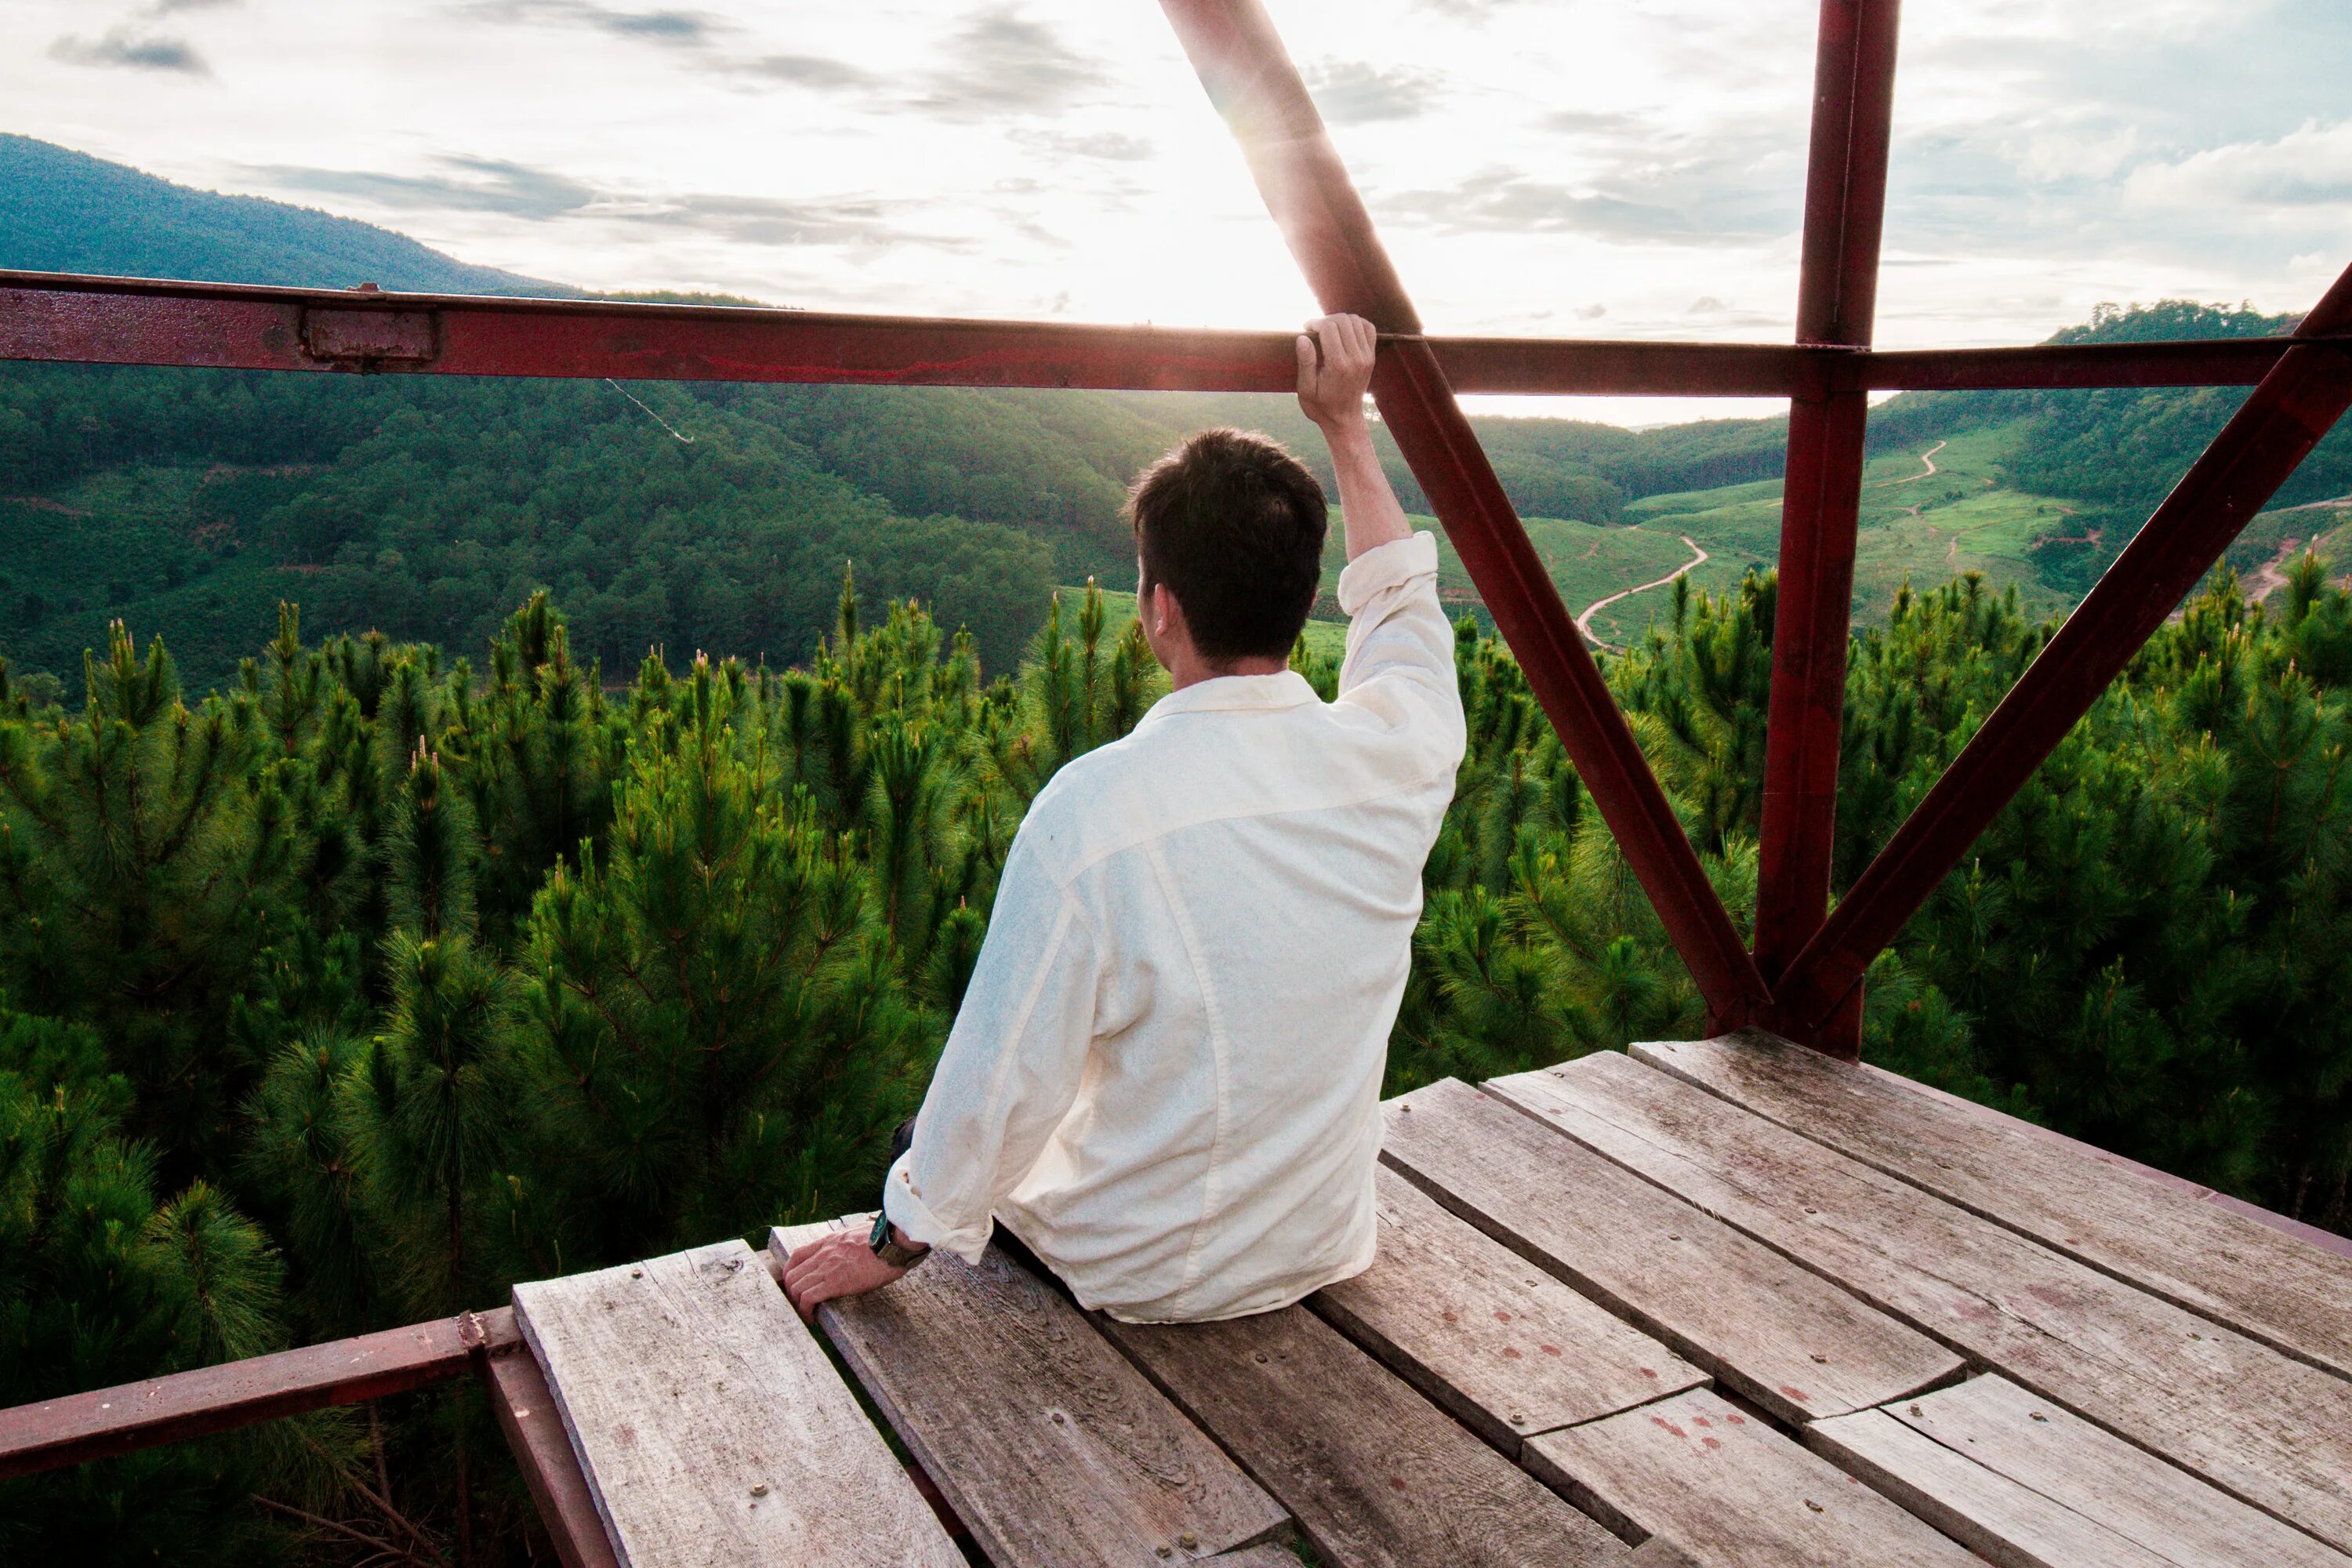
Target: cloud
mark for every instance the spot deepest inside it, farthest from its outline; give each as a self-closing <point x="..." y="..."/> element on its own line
<point x="2310" y="166"/>
<point x="1588" y="122"/>
<point x="474" y="184"/>
<point x="519" y="190"/>
<point x="1717" y="189"/>
<point x="818" y="71"/>
<point x="690" y="29"/>
<point x="862" y="222"/>
<point x="1111" y="146"/>
<point x="123" y="47"/>
<point x="1351" y="92"/>
<point x="1001" y="62"/>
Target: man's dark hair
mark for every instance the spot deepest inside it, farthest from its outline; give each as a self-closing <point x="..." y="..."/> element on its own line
<point x="1233" y="525"/>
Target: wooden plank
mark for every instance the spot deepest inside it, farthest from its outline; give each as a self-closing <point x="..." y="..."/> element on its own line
<point x="1051" y="1447"/>
<point x="710" y="1425"/>
<point x="1993" y="1516"/>
<point x="2274" y="1431"/>
<point x="1793" y="1343"/>
<point x="2164" y="1236"/>
<point x="542" y="1451"/>
<point x="1256" y="1557"/>
<point x="1375" y="1475"/>
<point x="1483" y="1332"/>
<point x="1730" y="1492"/>
<point x="2036" y="1443"/>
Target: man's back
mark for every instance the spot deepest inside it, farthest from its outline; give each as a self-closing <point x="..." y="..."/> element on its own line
<point x="1210" y="923"/>
<point x="1165" y="1073"/>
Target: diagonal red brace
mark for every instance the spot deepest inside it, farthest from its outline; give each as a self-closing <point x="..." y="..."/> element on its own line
<point x="2296" y="404"/>
<point x="1253" y="82"/>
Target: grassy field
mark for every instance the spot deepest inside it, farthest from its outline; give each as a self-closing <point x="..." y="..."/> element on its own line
<point x="1916" y="526"/>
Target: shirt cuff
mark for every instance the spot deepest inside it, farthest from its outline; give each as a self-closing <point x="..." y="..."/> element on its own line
<point x="919" y="1225"/>
<point x="1388" y="565"/>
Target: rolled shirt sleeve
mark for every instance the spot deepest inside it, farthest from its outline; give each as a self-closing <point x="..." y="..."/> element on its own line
<point x="1400" y="659"/>
<point x="1011" y="1068"/>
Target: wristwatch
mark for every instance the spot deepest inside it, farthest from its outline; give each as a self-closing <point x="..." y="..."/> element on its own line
<point x="886" y="1246"/>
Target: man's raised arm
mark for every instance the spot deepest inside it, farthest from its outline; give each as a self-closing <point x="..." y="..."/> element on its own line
<point x="1335" y="371"/>
<point x="1399" y="658"/>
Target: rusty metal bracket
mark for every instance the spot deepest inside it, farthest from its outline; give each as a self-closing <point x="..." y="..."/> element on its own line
<point x="370" y="340"/>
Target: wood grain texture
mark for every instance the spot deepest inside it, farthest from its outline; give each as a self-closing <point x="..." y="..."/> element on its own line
<point x="1051" y="1447"/>
<point x="710" y="1425"/>
<point x="2036" y="1443"/>
<point x="1793" y="1343"/>
<point x="1730" y="1492"/>
<point x="1375" y="1475"/>
<point x="1257" y="1557"/>
<point x="1999" y="1520"/>
<point x="2274" y="1431"/>
<point x="1473" y="1325"/>
<point x="2163" y="1236"/>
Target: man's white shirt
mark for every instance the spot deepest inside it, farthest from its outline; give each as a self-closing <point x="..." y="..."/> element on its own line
<point x="1165" y="1074"/>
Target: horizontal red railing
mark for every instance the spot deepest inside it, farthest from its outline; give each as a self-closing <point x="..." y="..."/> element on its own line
<point x="109" y="1421"/>
<point x="71" y="318"/>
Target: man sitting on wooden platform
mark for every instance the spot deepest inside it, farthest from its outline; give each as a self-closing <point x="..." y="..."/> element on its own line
<point x="1165" y="1075"/>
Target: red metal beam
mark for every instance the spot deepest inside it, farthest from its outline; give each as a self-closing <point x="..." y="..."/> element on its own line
<point x="550" y="1465"/>
<point x="210" y="1399"/>
<point x="130" y="321"/>
<point x="2296" y="404"/>
<point x="1251" y="80"/>
<point x="1837" y="292"/>
<point x="74" y="318"/>
<point x="2203" y="361"/>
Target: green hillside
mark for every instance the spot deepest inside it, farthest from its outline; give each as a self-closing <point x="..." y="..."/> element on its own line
<point x="62" y="211"/>
<point x="722" y="516"/>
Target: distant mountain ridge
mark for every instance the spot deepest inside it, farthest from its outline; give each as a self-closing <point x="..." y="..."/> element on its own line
<point x="63" y="211"/>
<point x="191" y="502"/>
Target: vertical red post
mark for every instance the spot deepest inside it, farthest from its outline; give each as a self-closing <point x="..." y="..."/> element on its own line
<point x="1846" y="204"/>
<point x="1251" y="80"/>
<point x="2297" y="402"/>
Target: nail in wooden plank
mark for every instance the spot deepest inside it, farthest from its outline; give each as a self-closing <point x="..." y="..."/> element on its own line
<point x="1483" y="1331"/>
<point x="2164" y="1510"/>
<point x="710" y="1425"/>
<point x="2172" y="1239"/>
<point x="2276" y="1432"/>
<point x="1052" y="1448"/>
<point x="1730" y="1492"/>
<point x="1795" y="1343"/>
<point x="1375" y="1475"/>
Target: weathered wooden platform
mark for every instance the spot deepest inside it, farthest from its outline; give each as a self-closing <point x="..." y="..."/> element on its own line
<point x="1725" y="1302"/>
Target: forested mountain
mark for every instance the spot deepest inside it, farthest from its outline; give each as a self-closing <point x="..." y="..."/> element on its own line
<point x="62" y="211"/>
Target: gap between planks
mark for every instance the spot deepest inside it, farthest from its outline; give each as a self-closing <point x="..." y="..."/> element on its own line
<point x="1053" y="1449"/>
<point x="2274" y="1431"/>
<point x="2165" y="1236"/>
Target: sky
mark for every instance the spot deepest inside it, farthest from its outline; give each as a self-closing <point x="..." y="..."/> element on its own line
<point x="1573" y="168"/>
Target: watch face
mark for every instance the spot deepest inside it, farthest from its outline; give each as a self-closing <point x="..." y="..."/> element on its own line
<point x="879" y="1236"/>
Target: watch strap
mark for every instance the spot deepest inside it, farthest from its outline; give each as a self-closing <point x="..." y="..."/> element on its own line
<point x="886" y="1247"/>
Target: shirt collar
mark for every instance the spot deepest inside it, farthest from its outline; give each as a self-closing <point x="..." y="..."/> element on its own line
<point x="1230" y="693"/>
